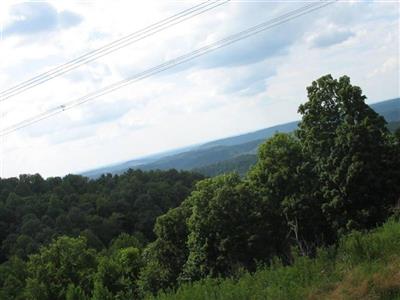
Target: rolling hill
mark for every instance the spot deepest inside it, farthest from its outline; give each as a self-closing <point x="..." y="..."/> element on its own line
<point x="236" y="153"/>
<point x="239" y="164"/>
<point x="201" y="157"/>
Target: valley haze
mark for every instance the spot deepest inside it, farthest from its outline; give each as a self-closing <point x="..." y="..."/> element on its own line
<point x="256" y="83"/>
<point x="233" y="148"/>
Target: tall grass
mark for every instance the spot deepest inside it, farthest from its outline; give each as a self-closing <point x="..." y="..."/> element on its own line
<point x="363" y="266"/>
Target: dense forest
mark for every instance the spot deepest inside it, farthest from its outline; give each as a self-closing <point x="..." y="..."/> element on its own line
<point x="291" y="228"/>
<point x="111" y="212"/>
<point x="361" y="266"/>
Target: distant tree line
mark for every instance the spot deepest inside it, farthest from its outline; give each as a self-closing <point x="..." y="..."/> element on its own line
<point x="94" y="214"/>
<point x="239" y="164"/>
<point x="74" y="238"/>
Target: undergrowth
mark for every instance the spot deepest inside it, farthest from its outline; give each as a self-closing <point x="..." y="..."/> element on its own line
<point x="362" y="266"/>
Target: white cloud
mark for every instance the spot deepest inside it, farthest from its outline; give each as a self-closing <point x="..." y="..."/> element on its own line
<point x="27" y="18"/>
<point x="251" y="85"/>
<point x="331" y="35"/>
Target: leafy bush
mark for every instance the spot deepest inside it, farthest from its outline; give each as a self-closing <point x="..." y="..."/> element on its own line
<point x="363" y="266"/>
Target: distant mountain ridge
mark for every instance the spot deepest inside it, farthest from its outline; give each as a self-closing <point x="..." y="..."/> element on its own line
<point x="251" y="136"/>
<point x="389" y="109"/>
<point x="220" y="155"/>
<point x="239" y="164"/>
<point x="200" y="157"/>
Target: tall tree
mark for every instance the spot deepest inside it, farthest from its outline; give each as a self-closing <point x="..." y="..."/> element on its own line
<point x="347" y="141"/>
<point x="166" y="256"/>
<point x="284" y="180"/>
<point x="66" y="261"/>
<point x="226" y="228"/>
<point x="117" y="274"/>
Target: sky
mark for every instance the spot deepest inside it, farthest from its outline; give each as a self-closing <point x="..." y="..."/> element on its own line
<point x="253" y="84"/>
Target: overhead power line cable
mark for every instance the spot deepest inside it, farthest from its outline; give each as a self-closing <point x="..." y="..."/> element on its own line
<point x="172" y="63"/>
<point x="111" y="47"/>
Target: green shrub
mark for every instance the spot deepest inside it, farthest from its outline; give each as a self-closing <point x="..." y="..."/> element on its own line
<point x="364" y="266"/>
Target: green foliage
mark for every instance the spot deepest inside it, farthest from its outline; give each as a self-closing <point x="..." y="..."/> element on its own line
<point x="348" y="144"/>
<point x="115" y="211"/>
<point x="229" y="237"/>
<point x="33" y="211"/>
<point x="166" y="256"/>
<point x="67" y="261"/>
<point x="380" y="244"/>
<point x="276" y="282"/>
<point x="365" y="266"/>
<point x="12" y="278"/>
<point x="224" y="228"/>
<point x="124" y="240"/>
<point x="284" y="178"/>
<point x="117" y="274"/>
<point x="75" y="293"/>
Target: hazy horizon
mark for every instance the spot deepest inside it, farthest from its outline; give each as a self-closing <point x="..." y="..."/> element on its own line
<point x="256" y="83"/>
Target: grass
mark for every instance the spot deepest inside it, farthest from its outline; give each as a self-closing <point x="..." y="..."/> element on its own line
<point x="363" y="266"/>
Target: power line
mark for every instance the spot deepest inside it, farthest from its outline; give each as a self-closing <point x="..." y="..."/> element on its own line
<point x="116" y="45"/>
<point x="171" y="63"/>
<point x="111" y="47"/>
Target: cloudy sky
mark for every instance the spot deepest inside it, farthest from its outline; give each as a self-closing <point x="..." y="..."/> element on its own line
<point x="253" y="84"/>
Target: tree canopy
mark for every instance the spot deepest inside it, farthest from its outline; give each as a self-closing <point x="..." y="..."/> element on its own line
<point x="128" y="236"/>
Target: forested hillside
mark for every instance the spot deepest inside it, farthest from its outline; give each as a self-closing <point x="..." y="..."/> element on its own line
<point x="34" y="210"/>
<point x="393" y="126"/>
<point x="222" y="154"/>
<point x="242" y="163"/>
<point x="363" y="266"/>
<point x="232" y="154"/>
<point x="239" y="164"/>
<point x="225" y="237"/>
<point x="201" y="157"/>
